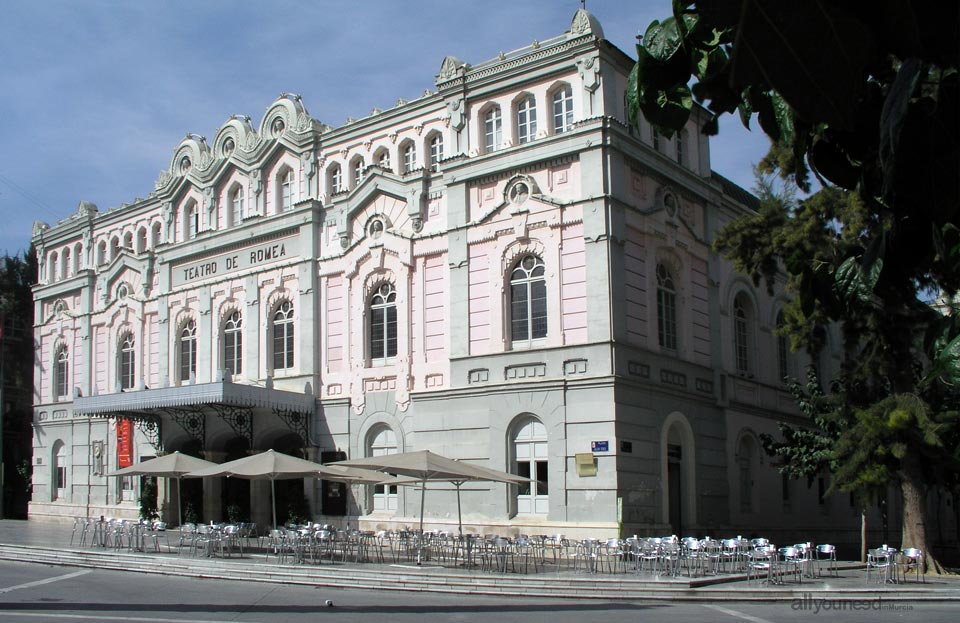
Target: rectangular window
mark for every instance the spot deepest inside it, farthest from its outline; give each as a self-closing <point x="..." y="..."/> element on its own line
<point x="492" y="130"/>
<point x="543" y="478"/>
<point x="667" y="319"/>
<point x="61" y="477"/>
<point x="518" y="312"/>
<point x="523" y="470"/>
<point x="538" y="309"/>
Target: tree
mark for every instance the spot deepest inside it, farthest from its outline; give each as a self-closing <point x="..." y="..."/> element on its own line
<point x="864" y="96"/>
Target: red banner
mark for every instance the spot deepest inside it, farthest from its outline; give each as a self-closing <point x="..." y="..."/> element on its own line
<point x="124" y="443"/>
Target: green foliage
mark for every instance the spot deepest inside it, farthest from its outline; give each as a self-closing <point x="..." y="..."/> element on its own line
<point x="148" y="500"/>
<point x="234" y="513"/>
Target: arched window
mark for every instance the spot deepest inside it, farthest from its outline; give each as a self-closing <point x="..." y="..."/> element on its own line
<point x="383" y="323"/>
<point x="191" y="221"/>
<point x="114" y="247"/>
<point x="528" y="299"/>
<point x="126" y="362"/>
<point x="188" y="352"/>
<point x="141" y="240"/>
<point x="531" y="458"/>
<point x="666" y="308"/>
<point x="128" y="240"/>
<point x="356" y="169"/>
<point x="102" y="253"/>
<point x="382" y="158"/>
<point x="233" y="344"/>
<point x="492" y="129"/>
<point x="383" y="441"/>
<point x="77" y="257"/>
<point x="155" y="233"/>
<point x="59" y="471"/>
<point x="526" y="120"/>
<point x="783" y="351"/>
<point x="741" y="334"/>
<point x="53" y="261"/>
<point x="285" y="194"/>
<point x="283" y="337"/>
<point x="61" y="373"/>
<point x="65" y="261"/>
<point x="334" y="180"/>
<point x="409" y="152"/>
<point x="563" y="109"/>
<point x="436" y="151"/>
<point x="236" y="205"/>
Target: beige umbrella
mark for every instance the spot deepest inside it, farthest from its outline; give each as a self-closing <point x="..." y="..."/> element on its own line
<point x="269" y="465"/>
<point x="423" y="466"/>
<point x="173" y="465"/>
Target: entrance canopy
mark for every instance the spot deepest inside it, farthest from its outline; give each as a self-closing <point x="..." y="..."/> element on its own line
<point x="146" y="401"/>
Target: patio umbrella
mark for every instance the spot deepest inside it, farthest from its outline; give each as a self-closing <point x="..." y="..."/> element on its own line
<point x="269" y="465"/>
<point x="423" y="466"/>
<point x="173" y="465"/>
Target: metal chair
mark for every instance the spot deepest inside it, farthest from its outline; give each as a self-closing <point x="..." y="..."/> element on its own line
<point x="911" y="560"/>
<point x="827" y="555"/>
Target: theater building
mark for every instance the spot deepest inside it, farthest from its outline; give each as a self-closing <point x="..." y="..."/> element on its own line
<point x="502" y="271"/>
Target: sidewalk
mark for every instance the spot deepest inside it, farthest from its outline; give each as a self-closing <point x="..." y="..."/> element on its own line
<point x="49" y="543"/>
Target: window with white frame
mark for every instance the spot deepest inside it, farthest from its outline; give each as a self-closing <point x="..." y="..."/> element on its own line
<point x="530" y="451"/>
<point x="141" y="240"/>
<point x="383" y="323"/>
<point x="61" y="373"/>
<point x="233" y="344"/>
<point x="188" y="351"/>
<point x="492" y="129"/>
<point x="283" y="336"/>
<point x="155" y="232"/>
<point x="409" y="151"/>
<point x="59" y="471"/>
<point x="52" y="265"/>
<point x="384" y="442"/>
<point x="334" y="180"/>
<point x="528" y="299"/>
<point x="65" y="261"/>
<point x="236" y="205"/>
<point x="382" y="158"/>
<point x="666" y="308"/>
<point x="358" y="165"/>
<point x="102" y="253"/>
<point x="436" y="151"/>
<point x="286" y="191"/>
<point x="741" y="334"/>
<point x="563" y="109"/>
<point x="191" y="221"/>
<point x="526" y="120"/>
<point x="127" y="361"/>
<point x="77" y="258"/>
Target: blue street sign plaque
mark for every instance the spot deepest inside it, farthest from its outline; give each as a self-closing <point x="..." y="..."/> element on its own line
<point x="600" y="446"/>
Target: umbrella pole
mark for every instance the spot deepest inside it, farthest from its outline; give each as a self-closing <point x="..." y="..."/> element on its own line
<point x="423" y="495"/>
<point x="179" y="506"/>
<point x="459" y="513"/>
<point x="273" y="501"/>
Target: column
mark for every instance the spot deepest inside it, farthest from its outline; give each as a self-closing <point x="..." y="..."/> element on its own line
<point x="212" y="489"/>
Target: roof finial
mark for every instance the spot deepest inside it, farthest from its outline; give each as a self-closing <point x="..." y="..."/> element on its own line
<point x="583" y="4"/>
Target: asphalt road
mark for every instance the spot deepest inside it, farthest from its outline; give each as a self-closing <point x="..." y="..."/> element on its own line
<point x="43" y="594"/>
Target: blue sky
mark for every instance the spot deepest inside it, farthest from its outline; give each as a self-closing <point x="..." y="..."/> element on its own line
<point x="95" y="94"/>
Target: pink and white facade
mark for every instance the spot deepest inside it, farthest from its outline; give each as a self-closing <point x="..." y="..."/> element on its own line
<point x="501" y="271"/>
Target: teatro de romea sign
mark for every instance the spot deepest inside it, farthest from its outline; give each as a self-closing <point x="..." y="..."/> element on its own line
<point x="235" y="261"/>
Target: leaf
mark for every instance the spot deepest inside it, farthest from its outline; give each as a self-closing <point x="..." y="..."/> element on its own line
<point x="662" y="39"/>
<point x="830" y="162"/>
<point x="894" y="114"/>
<point x="667" y="109"/>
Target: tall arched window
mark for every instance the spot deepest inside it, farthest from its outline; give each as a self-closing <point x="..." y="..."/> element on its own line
<point x="383" y="323"/>
<point x="436" y="151"/>
<point x="334" y="180"/>
<point x="666" y="309"/>
<point x="526" y="120"/>
<point x="191" y="221"/>
<point x="741" y="334"/>
<point x="357" y="168"/>
<point x="236" y="205"/>
<point x="102" y="253"/>
<point x="783" y="368"/>
<point x="531" y="457"/>
<point x="155" y="232"/>
<point x="141" y="240"/>
<point x="53" y="261"/>
<point x="233" y="344"/>
<point x="61" y="373"/>
<point x="563" y="109"/>
<point x="188" y="351"/>
<point x="382" y="158"/>
<point x="285" y="195"/>
<point x="492" y="129"/>
<point x="283" y="339"/>
<point x="128" y="240"/>
<point x="59" y="471"/>
<point x="528" y="299"/>
<point x="114" y="247"/>
<point x="409" y="153"/>
<point x="127" y="362"/>
<point x="384" y="441"/>
<point x="65" y="260"/>
<point x="77" y="258"/>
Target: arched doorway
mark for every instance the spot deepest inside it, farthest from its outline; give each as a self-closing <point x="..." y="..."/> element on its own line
<point x="678" y="474"/>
